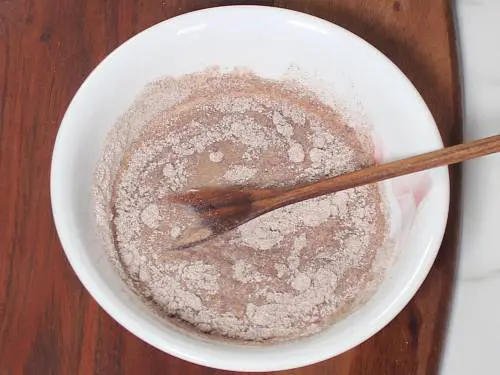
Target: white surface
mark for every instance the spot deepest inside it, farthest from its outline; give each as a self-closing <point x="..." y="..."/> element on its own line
<point x="229" y="37"/>
<point x="473" y="345"/>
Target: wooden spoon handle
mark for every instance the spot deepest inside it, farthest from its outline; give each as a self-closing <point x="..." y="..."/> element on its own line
<point x="445" y="156"/>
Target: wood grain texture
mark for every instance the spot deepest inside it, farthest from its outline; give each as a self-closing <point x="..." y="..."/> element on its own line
<point x="48" y="322"/>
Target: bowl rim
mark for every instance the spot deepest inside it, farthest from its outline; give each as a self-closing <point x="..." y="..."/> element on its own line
<point x="195" y="357"/>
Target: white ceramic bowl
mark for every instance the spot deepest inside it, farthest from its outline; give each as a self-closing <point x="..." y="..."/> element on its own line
<point x="268" y="41"/>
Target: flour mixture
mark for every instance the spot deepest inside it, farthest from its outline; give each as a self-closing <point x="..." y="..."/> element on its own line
<point x="286" y="274"/>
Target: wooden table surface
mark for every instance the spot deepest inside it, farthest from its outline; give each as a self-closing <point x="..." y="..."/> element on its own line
<point x="48" y="323"/>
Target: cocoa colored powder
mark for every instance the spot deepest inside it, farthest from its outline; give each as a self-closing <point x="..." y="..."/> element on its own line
<point x="286" y="274"/>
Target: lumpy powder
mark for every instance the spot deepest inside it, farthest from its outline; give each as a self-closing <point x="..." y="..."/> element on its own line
<point x="287" y="274"/>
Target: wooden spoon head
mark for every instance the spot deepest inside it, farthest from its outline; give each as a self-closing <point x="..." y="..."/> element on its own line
<point x="220" y="210"/>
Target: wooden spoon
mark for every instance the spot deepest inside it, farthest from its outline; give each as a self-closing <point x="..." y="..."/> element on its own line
<point x="224" y="208"/>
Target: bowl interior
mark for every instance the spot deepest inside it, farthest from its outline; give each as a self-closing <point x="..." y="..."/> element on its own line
<point x="268" y="41"/>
